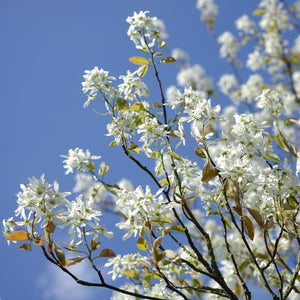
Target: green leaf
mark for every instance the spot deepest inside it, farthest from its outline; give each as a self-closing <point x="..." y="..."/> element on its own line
<point x="227" y="222"/>
<point x="157" y="242"/>
<point x="60" y="254"/>
<point x="107" y="253"/>
<point x="199" y="152"/>
<point x="18" y="236"/>
<point x="122" y="104"/>
<point x="103" y="168"/>
<point x="292" y="201"/>
<point x="164" y="182"/>
<point x="289" y="122"/>
<point x="143" y="231"/>
<point x="132" y="274"/>
<point x="168" y="60"/>
<point x="282" y="142"/>
<point x="137" y="107"/>
<point x="258" y="12"/>
<point x="114" y="143"/>
<point x="294" y="59"/>
<point x="142" y="244"/>
<point x="158" y="54"/>
<point x="158" y="256"/>
<point x="273" y="157"/>
<point x="156" y="105"/>
<point x="163" y="45"/>
<point x="138" y="60"/>
<point x="175" y="155"/>
<point x="154" y="154"/>
<point x="208" y="173"/>
<point x="134" y="148"/>
<point x="177" y="228"/>
<point x="142" y="70"/>
<point x="245" y="40"/>
<point x="147" y="278"/>
<point x="248" y="226"/>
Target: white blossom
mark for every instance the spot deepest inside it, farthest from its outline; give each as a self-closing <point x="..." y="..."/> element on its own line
<point x="144" y="29"/>
<point x="229" y="45"/>
<point x="245" y="24"/>
<point x="95" y="81"/>
<point x="255" y="61"/>
<point x="208" y="9"/>
<point x="133" y="88"/>
<point x="78" y="159"/>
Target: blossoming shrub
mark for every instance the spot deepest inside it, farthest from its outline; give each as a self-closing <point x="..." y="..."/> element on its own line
<point x="211" y="222"/>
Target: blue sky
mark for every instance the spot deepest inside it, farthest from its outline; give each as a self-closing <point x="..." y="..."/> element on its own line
<point x="45" y="48"/>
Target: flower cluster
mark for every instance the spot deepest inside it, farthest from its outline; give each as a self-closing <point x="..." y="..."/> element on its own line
<point x="141" y="209"/>
<point x="96" y="81"/>
<point x="80" y="160"/>
<point x="41" y="202"/>
<point x="146" y="31"/>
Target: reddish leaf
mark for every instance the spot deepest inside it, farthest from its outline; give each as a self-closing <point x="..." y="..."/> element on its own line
<point x="18" y="236"/>
<point x="256" y="216"/>
<point x="95" y="245"/>
<point x="238" y="210"/>
<point x="248" y="226"/>
<point x="38" y="241"/>
<point x="60" y="254"/>
<point x="107" y="253"/>
<point x="26" y="246"/>
<point x="50" y="227"/>
<point x="73" y="261"/>
<point x="208" y="173"/>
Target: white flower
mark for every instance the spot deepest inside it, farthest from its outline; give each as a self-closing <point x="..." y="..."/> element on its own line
<point x="96" y="80"/>
<point x="152" y="132"/>
<point x="208" y="9"/>
<point x="229" y="45"/>
<point x="199" y="112"/>
<point x="296" y="46"/>
<point x="174" y="97"/>
<point x="122" y="126"/>
<point x="245" y="24"/>
<point x="140" y="207"/>
<point x="252" y="88"/>
<point x="273" y="43"/>
<point x="270" y="100"/>
<point x="255" y="61"/>
<point x="144" y="29"/>
<point x="79" y="159"/>
<point x="228" y="83"/>
<point x="129" y="262"/>
<point x="296" y="80"/>
<point x="275" y="15"/>
<point x="133" y="88"/>
<point x="194" y="77"/>
<point x="179" y="54"/>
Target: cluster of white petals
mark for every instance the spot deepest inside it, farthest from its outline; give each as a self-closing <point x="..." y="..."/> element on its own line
<point x="146" y="31"/>
<point x="79" y="159"/>
<point x="141" y="207"/>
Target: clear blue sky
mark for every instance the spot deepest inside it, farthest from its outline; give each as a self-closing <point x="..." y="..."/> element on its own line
<point x="45" y="48"/>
